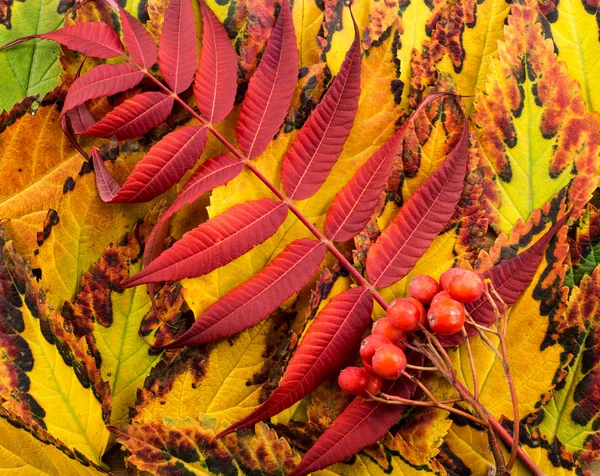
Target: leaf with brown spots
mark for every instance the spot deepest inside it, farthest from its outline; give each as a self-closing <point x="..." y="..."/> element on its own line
<point x="184" y="446"/>
<point x="585" y="248"/>
<point x="40" y="358"/>
<point x="111" y="318"/>
<point x="532" y="124"/>
<point x="570" y="417"/>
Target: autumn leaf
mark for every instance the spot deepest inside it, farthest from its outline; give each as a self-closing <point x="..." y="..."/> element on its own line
<point x="533" y="144"/>
<point x="42" y="358"/>
<point x="567" y="419"/>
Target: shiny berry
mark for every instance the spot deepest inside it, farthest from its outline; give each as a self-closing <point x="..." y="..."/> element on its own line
<point x="373" y="386"/>
<point x="466" y="287"/>
<point x="384" y="327"/>
<point x="389" y="361"/>
<point x="423" y="288"/>
<point x="406" y="314"/>
<point x="446" y="317"/>
<point x="353" y="380"/>
<point x="447" y="276"/>
<point x="441" y="296"/>
<point x="370" y="344"/>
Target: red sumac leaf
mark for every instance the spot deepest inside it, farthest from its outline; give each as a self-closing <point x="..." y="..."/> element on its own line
<point x="252" y="301"/>
<point x="354" y="205"/>
<point x="81" y="119"/>
<point x="361" y="424"/>
<point x="163" y="166"/>
<point x="323" y="351"/>
<point x="139" y="42"/>
<point x="177" y="45"/>
<point x="103" y="80"/>
<point x="134" y="117"/>
<point x="319" y="143"/>
<point x="510" y="278"/>
<point x="215" y="243"/>
<point x="212" y="173"/>
<point x="95" y="39"/>
<point x="270" y="89"/>
<point x="215" y="84"/>
<point x="421" y="218"/>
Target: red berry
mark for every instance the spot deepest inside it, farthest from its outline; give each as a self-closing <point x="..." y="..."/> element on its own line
<point x="447" y="276"/>
<point x="442" y="295"/>
<point x="389" y="361"/>
<point x="446" y="317"/>
<point x="384" y="327"/>
<point x="353" y="380"/>
<point x="406" y="314"/>
<point x="423" y="288"/>
<point x="466" y="287"/>
<point x="370" y="344"/>
<point x="373" y="386"/>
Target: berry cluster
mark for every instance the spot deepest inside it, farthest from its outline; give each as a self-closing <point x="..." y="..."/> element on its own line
<point x="436" y="306"/>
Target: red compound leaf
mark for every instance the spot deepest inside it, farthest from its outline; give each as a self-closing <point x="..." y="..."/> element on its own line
<point x="103" y="80"/>
<point x="271" y="88"/>
<point x="215" y="243"/>
<point x="95" y="39"/>
<point x="139" y="42"/>
<point x="134" y="117"/>
<point x="354" y="205"/>
<point x="177" y="45"/>
<point x="361" y="424"/>
<point x="215" y="84"/>
<point x="317" y="146"/>
<point x="322" y="353"/>
<point x="162" y="167"/>
<point x="423" y="216"/>
<point x="212" y="173"/>
<point x="252" y="301"/>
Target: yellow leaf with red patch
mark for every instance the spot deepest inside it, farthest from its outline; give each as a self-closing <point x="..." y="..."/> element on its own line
<point x="532" y="125"/>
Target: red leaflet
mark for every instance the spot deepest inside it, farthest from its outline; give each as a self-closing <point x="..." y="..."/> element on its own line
<point x="212" y="173"/>
<point x="215" y="243"/>
<point x="360" y="425"/>
<point x="163" y="166"/>
<point x="510" y="279"/>
<point x="319" y="143"/>
<point x="337" y="329"/>
<point x="134" y="117"/>
<point x="271" y="88"/>
<point x="81" y="119"/>
<point x="103" y="80"/>
<point x="139" y="42"/>
<point x="94" y="39"/>
<point x="177" y="45"/>
<point x="252" y="301"/>
<point x="422" y="217"/>
<point x="215" y="83"/>
<point x="354" y="205"/>
<point x="107" y="186"/>
<point x="512" y="276"/>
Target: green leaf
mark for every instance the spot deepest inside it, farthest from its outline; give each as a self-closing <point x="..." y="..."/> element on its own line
<point x="30" y="68"/>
